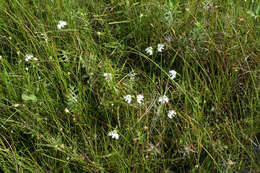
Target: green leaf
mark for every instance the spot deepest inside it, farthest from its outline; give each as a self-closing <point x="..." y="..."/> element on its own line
<point x="257" y="11"/>
<point x="30" y="97"/>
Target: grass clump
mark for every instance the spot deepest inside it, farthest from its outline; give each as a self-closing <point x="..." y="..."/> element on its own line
<point x="80" y="91"/>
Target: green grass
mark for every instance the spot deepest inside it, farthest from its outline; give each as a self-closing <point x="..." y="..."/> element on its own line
<point x="56" y="111"/>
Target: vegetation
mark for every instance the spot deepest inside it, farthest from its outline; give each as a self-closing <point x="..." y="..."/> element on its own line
<point x="80" y="91"/>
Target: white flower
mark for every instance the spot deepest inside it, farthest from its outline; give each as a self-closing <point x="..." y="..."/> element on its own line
<point x="66" y="110"/>
<point x="163" y="99"/>
<point x="108" y="76"/>
<point x="132" y="76"/>
<point x="16" y="105"/>
<point x="128" y="98"/>
<point x="28" y="57"/>
<point x="172" y="74"/>
<point x="171" y="114"/>
<point x="160" y="47"/>
<point x="61" y="24"/>
<point x="113" y="134"/>
<point x="139" y="98"/>
<point x="230" y="162"/>
<point x="149" y="50"/>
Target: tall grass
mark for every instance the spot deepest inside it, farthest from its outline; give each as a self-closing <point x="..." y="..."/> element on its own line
<point x="57" y="109"/>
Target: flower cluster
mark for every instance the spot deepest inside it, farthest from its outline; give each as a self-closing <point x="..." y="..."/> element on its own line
<point x="160" y="48"/>
<point x="139" y="98"/>
<point x="128" y="98"/>
<point x="114" y="134"/>
<point x="172" y="74"/>
<point x="171" y="114"/>
<point x="108" y="76"/>
<point x="163" y="99"/>
<point x="28" y="57"/>
<point x="61" y="24"/>
<point x="149" y="50"/>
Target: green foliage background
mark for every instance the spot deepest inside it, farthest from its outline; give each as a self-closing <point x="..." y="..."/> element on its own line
<point x="56" y="111"/>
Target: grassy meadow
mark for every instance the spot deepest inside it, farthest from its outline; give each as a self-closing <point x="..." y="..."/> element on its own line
<point x="165" y="86"/>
